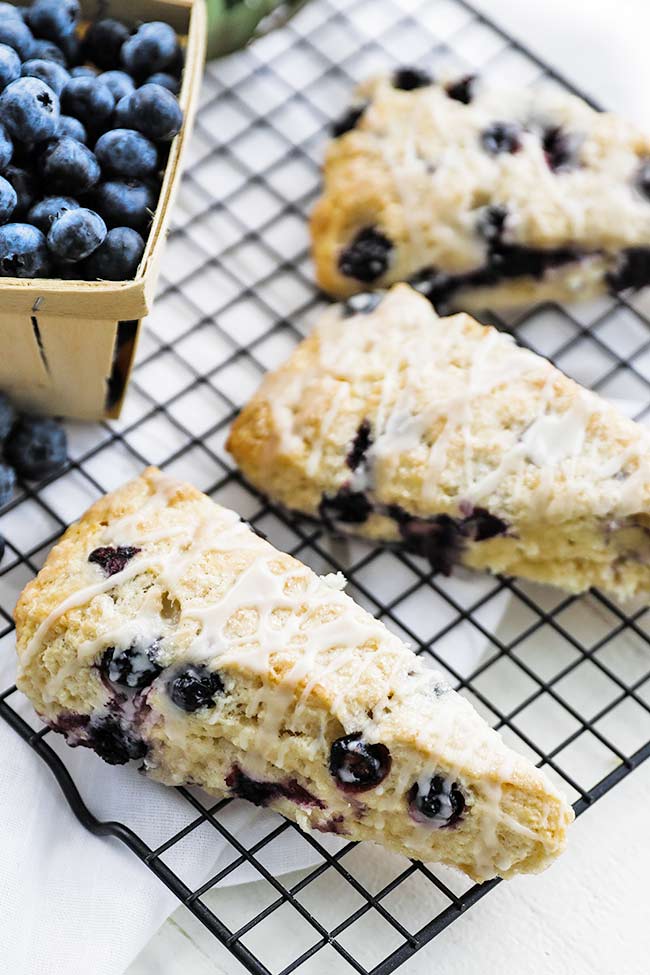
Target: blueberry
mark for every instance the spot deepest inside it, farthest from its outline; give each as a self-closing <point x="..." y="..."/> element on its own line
<point x="558" y="150"/>
<point x="69" y="126"/>
<point x="30" y="110"/>
<point x="126" y="153"/>
<point x="9" y="12"/>
<point x="47" y="51"/>
<point x="75" y="234"/>
<point x="6" y="147"/>
<point x="439" y="539"/>
<point x="165" y="80"/>
<point x="103" y="42"/>
<point x="501" y="137"/>
<point x="195" y="687"/>
<point x="45" y="212"/>
<point x="112" y="560"/>
<point x="9" y="66"/>
<point x="68" y="166"/>
<point x="348" y="120"/>
<point x="7" y="415"/>
<point x="23" y="252"/>
<point x="88" y="100"/>
<point x="358" y="766"/>
<point x="633" y="269"/>
<point x="462" y="90"/>
<point x="482" y="525"/>
<point x="134" y="667"/>
<point x="53" y="19"/>
<point x="37" y="446"/>
<point x="362" y="304"/>
<point x="360" y="446"/>
<point x="126" y="204"/>
<point x="23" y="183"/>
<point x="346" y="507"/>
<point x="408" y="79"/>
<point x="15" y="33"/>
<point x="491" y="222"/>
<point x="113" y="741"/>
<point x="48" y="71"/>
<point x="83" y="71"/>
<point x="8" y="200"/>
<point x="441" y="804"/>
<point x="7" y="483"/>
<point x="117" y="259"/>
<point x="367" y="257"/>
<point x="152" y="110"/>
<point x="260" y="793"/>
<point x="152" y="48"/>
<point x="119" y="82"/>
<point x="643" y="178"/>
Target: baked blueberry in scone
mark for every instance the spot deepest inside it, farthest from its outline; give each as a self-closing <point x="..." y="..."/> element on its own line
<point x="481" y="197"/>
<point x="449" y="439"/>
<point x="213" y="659"/>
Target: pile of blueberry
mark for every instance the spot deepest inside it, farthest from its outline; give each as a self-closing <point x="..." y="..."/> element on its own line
<point x="85" y="127"/>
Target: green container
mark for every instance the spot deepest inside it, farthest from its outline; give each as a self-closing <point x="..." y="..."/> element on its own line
<point x="234" y="23"/>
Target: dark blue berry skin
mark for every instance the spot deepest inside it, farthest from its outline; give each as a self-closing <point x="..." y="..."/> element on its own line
<point x="242" y="786"/>
<point x="23" y="183"/>
<point x="29" y="110"/>
<point x="126" y="153"/>
<point x="113" y="741"/>
<point x="9" y="65"/>
<point x="120" y="83"/>
<point x="68" y="166"/>
<point x="15" y="33"/>
<point x="103" y="42"/>
<point x="195" y="687"/>
<point x="88" y="100"/>
<point x="6" y="147"/>
<point x="633" y="269"/>
<point x="166" y="80"/>
<point x="367" y="257"/>
<point x="134" y="667"/>
<point x="152" y="110"/>
<point x="45" y="212"/>
<point x="359" y="446"/>
<point x="8" y="200"/>
<point x="408" y="79"/>
<point x="37" y="446"/>
<point x="71" y="127"/>
<point x="23" y="252"/>
<point x="76" y="234"/>
<point x="152" y="48"/>
<point x="48" y="51"/>
<point x="9" y="12"/>
<point x="358" y="766"/>
<point x="501" y="137"/>
<point x="346" y="507"/>
<point x="7" y="483"/>
<point x="7" y="416"/>
<point x="462" y="90"/>
<point x="125" y="204"/>
<point x="112" y="560"/>
<point x="48" y="71"/>
<point x="348" y="120"/>
<point x="117" y="259"/>
<point x="558" y="150"/>
<point x="53" y="19"/>
<point x="443" y="807"/>
<point x="83" y="71"/>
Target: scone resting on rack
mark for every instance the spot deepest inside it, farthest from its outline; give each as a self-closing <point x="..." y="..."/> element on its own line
<point x="446" y="437"/>
<point x="482" y="197"/>
<point x="163" y="629"/>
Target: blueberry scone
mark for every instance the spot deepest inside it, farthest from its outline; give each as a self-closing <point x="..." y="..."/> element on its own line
<point x="446" y="437"/>
<point x="482" y="197"/>
<point x="163" y="629"/>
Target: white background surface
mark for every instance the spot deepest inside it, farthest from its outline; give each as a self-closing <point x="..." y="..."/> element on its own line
<point x="589" y="914"/>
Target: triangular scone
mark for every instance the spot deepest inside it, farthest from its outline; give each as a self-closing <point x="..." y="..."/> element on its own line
<point x="445" y="436"/>
<point x="163" y="628"/>
<point x="482" y="197"/>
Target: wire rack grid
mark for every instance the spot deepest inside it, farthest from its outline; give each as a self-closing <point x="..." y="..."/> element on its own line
<point x="566" y="680"/>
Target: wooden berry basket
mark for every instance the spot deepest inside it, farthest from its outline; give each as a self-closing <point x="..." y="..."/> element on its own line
<point x="68" y="346"/>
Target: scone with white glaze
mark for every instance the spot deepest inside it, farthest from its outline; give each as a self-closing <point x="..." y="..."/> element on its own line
<point x="480" y="196"/>
<point x="448" y="438"/>
<point x="162" y="628"/>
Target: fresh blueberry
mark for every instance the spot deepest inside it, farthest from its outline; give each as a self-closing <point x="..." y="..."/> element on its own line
<point x="53" y="19"/>
<point x="9" y="12"/>
<point x="462" y="90"/>
<point x="408" y="79"/>
<point x="7" y="415"/>
<point x="152" y="48"/>
<point x="88" y="100"/>
<point x="441" y="804"/>
<point x="119" y="82"/>
<point x="112" y="560"/>
<point x="76" y="234"/>
<point x="633" y="269"/>
<point x="126" y="153"/>
<point x="47" y="51"/>
<point x="103" y="42"/>
<point x="501" y="137"/>
<point x="152" y="110"/>
<point x="195" y="687"/>
<point x="359" y="446"/>
<point x="15" y="33"/>
<point x="6" y="147"/>
<point x="134" y="667"/>
<point x="7" y="483"/>
<point x="346" y="507"/>
<point x="83" y="71"/>
<point x="117" y="259"/>
<point x="8" y="200"/>
<point x="367" y="257"/>
<point x="48" y="71"/>
<point x="558" y="149"/>
<point x="72" y="127"/>
<point x="358" y="766"/>
<point x="113" y="741"/>
<point x="165" y="80"/>
<point x="348" y="120"/>
<point x="9" y="66"/>
<point x="45" y="212"/>
<point x="37" y="446"/>
<point x="23" y="252"/>
<point x="23" y="183"/>
<point x="29" y="110"/>
<point x="126" y="204"/>
<point x="70" y="44"/>
<point x="362" y="304"/>
<point x="68" y="166"/>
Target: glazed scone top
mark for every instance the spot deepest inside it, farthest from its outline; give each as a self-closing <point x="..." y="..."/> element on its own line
<point x="416" y="167"/>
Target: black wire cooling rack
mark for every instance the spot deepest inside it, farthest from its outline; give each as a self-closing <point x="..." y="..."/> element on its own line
<point x="566" y="680"/>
